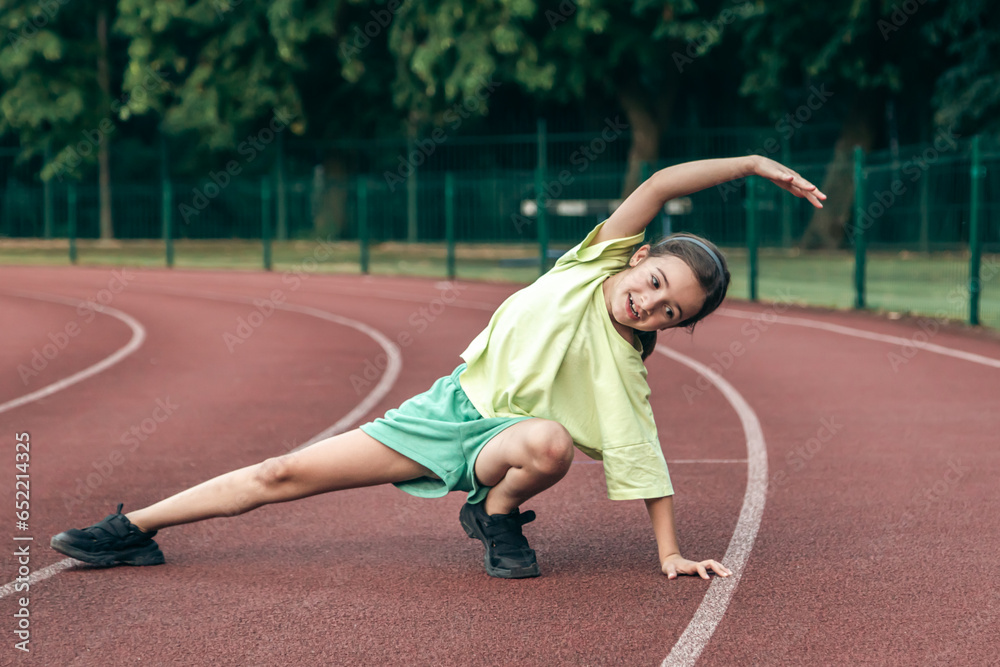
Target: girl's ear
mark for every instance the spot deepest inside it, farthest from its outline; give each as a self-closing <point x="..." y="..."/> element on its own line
<point x="639" y="255"/>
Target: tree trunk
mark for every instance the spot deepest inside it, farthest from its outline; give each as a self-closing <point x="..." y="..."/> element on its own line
<point x="827" y="226"/>
<point x="103" y="149"/>
<point x="647" y="120"/>
<point x="332" y="211"/>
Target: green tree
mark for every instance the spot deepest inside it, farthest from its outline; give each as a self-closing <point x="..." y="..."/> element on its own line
<point x="634" y="53"/>
<point x="231" y="66"/>
<point x="863" y="52"/>
<point x="58" y="97"/>
<point x="967" y="95"/>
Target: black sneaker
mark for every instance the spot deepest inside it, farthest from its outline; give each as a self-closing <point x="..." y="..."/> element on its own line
<point x="507" y="552"/>
<point x="113" y="540"/>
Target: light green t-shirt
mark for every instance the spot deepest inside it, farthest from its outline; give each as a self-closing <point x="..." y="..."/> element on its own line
<point x="551" y="351"/>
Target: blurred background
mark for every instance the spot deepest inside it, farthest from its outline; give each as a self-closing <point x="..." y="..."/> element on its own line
<point x="480" y="139"/>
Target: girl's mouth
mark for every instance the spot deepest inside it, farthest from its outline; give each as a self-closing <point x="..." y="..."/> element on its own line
<point x="631" y="308"/>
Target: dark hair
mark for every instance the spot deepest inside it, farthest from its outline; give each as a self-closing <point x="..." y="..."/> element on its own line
<point x="705" y="270"/>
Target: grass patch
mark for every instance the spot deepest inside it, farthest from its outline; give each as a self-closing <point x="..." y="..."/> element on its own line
<point x="906" y="283"/>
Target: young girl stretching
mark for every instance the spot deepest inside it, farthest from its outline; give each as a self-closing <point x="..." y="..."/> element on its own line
<point x="560" y="364"/>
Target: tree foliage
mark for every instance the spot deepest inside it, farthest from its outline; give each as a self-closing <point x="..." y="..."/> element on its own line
<point x="968" y="91"/>
<point x="209" y="72"/>
<point x="52" y="97"/>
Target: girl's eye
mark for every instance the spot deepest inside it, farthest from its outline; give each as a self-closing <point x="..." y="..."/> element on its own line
<point x="656" y="283"/>
<point x="670" y="313"/>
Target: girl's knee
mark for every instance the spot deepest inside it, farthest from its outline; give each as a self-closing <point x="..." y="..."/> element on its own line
<point x="551" y="447"/>
<point x="274" y="471"/>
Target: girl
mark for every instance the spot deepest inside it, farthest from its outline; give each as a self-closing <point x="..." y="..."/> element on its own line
<point x="560" y="364"/>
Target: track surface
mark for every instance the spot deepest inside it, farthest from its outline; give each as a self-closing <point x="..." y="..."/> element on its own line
<point x="877" y="544"/>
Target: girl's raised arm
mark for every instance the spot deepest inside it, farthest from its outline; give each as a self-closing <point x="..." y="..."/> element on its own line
<point x="639" y="209"/>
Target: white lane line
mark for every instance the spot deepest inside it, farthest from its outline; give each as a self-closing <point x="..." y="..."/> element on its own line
<point x="138" y="337"/>
<point x="673" y="461"/>
<point x="861" y="333"/>
<point x="713" y="606"/>
<point x="134" y="343"/>
<point x="393" y="368"/>
<point x="414" y="298"/>
<point x="35" y="577"/>
<point x="388" y="378"/>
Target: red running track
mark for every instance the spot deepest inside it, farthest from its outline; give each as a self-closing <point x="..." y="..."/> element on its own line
<point x="875" y="545"/>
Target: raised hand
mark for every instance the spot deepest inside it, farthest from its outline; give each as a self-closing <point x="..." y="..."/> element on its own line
<point x="788" y="179"/>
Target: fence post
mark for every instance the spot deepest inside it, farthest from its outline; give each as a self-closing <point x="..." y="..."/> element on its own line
<point x="168" y="226"/>
<point x="412" y="190"/>
<point x="925" y="212"/>
<point x="540" y="200"/>
<point x="47" y="199"/>
<point x="449" y="220"/>
<point x="751" y="205"/>
<point x="71" y="220"/>
<point x="265" y="220"/>
<point x="279" y="181"/>
<point x="975" y="231"/>
<point x="363" y="221"/>
<point x="167" y="202"/>
<point x="786" y="202"/>
<point x="860" y="243"/>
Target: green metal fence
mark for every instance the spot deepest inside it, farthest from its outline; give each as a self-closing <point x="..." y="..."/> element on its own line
<point x="924" y="222"/>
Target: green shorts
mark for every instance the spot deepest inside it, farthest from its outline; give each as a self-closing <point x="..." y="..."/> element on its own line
<point x="442" y="431"/>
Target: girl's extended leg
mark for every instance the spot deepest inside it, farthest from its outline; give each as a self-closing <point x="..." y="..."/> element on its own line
<point x="522" y="461"/>
<point x="346" y="461"/>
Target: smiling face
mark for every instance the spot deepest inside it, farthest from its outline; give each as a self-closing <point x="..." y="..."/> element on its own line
<point x="654" y="293"/>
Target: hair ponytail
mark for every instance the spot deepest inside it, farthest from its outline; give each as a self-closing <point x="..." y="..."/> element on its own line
<point x="648" y="340"/>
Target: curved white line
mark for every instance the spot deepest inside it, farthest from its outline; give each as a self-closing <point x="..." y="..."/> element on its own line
<point x="138" y="337"/>
<point x="861" y="333"/>
<point x="713" y="606"/>
<point x="389" y="377"/>
<point x="38" y="575"/>
<point x="393" y="368"/>
<point x="392" y="371"/>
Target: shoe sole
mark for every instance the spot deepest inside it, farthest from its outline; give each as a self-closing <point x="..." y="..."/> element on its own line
<point x="147" y="555"/>
<point x="473" y="531"/>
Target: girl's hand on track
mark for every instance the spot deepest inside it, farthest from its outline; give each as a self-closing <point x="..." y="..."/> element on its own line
<point x="788" y="179"/>
<point x="677" y="564"/>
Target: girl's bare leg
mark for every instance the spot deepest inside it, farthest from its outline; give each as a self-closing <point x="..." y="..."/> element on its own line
<point x="346" y="461"/>
<point x="522" y="461"/>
